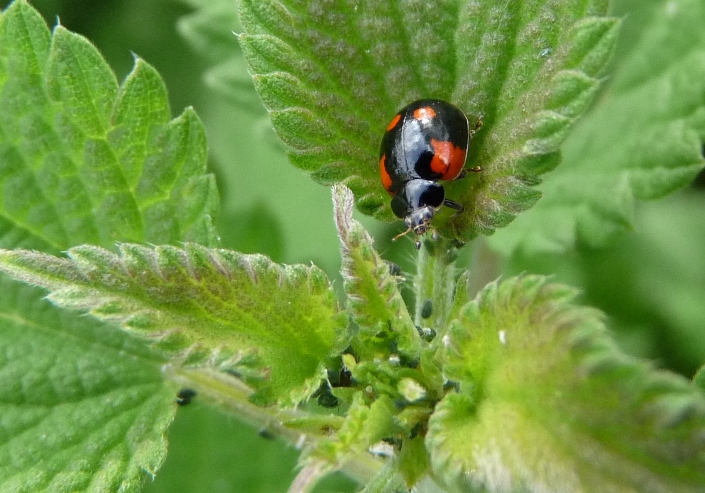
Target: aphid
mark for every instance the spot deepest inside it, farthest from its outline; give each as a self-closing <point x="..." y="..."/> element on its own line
<point x="324" y="395"/>
<point x="427" y="309"/>
<point x="185" y="396"/>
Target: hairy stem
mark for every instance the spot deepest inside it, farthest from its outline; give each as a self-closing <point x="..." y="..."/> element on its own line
<point x="231" y="395"/>
<point x="308" y="477"/>
<point x="435" y="281"/>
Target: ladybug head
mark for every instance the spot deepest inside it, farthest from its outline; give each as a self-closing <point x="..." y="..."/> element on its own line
<point x="419" y="220"/>
<point x="417" y="202"/>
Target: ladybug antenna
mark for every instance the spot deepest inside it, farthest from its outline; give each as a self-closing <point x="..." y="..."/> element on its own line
<point x="417" y="243"/>
<point x="402" y="234"/>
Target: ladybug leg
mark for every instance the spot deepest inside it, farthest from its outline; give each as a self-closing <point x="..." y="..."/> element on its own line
<point x="465" y="172"/>
<point x="476" y="169"/>
<point x="453" y="205"/>
<point x="477" y="126"/>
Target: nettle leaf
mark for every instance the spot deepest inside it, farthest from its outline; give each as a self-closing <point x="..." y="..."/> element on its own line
<point x="83" y="408"/>
<point x="641" y="142"/>
<point x="275" y="323"/>
<point x="333" y="74"/>
<point x="531" y="77"/>
<point x="374" y="301"/>
<point x="209" y="30"/>
<point x="552" y="405"/>
<point x="85" y="160"/>
<point x="699" y="378"/>
<point x="388" y="480"/>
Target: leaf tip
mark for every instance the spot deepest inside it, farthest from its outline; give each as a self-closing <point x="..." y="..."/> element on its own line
<point x="343" y="202"/>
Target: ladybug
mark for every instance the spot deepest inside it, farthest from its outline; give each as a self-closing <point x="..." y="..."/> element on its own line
<point x="425" y="142"/>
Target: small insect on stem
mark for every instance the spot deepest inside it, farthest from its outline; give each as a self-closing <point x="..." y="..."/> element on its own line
<point x="185" y="396"/>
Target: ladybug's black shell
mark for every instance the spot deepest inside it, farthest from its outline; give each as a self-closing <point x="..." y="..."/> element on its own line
<point x="416" y="194"/>
<point x="427" y="140"/>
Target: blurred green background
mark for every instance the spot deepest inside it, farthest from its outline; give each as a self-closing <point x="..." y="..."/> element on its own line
<point x="650" y="281"/>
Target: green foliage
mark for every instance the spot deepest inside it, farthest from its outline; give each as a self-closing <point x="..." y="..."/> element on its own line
<point x="209" y="30"/>
<point x="374" y="301"/>
<point x="83" y="157"/>
<point x="520" y="390"/>
<point x="364" y="426"/>
<point x="209" y="451"/>
<point x="83" y="407"/>
<point x="699" y="379"/>
<point x="641" y="141"/>
<point x="649" y="281"/>
<point x="243" y="312"/>
<point x="333" y="74"/>
<point x="395" y="384"/>
<point x="551" y="404"/>
<point x="388" y="481"/>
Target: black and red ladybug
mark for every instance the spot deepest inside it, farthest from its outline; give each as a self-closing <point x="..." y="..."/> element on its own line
<point x="425" y="142"/>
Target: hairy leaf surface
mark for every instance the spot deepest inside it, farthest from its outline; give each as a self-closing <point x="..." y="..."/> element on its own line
<point x="642" y="140"/>
<point x="83" y="406"/>
<point x="550" y="404"/>
<point x="333" y="74"/>
<point x="83" y="158"/>
<point x="241" y="311"/>
<point x="374" y="301"/>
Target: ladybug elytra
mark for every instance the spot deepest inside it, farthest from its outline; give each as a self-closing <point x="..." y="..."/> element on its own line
<point x="425" y="142"/>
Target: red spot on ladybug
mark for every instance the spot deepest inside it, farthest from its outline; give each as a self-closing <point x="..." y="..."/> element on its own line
<point x="393" y="123"/>
<point x="425" y="142"/>
<point x="386" y="179"/>
<point x="424" y="113"/>
<point x="447" y="160"/>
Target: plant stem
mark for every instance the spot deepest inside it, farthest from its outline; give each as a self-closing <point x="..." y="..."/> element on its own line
<point x="231" y="395"/>
<point x="435" y="281"/>
<point x="307" y="477"/>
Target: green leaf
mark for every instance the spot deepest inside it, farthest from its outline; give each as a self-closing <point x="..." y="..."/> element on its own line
<point x="699" y="378"/>
<point x="652" y="280"/>
<point x="374" y="301"/>
<point x="388" y="480"/>
<point x="85" y="160"/>
<point x="274" y="323"/>
<point x="649" y="281"/>
<point x="334" y="74"/>
<point x="641" y="142"/>
<point x="364" y="426"/>
<point x="209" y="29"/>
<point x="83" y="408"/>
<point x="413" y="460"/>
<point x="550" y="404"/>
